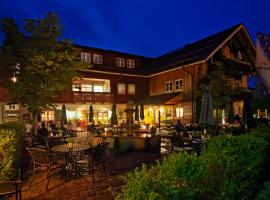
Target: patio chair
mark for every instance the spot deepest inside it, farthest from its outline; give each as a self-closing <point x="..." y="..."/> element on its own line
<point x="9" y="187"/>
<point x="41" y="157"/>
<point x="97" y="157"/>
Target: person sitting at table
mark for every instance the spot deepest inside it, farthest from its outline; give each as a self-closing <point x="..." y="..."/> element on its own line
<point x="179" y="126"/>
<point x="52" y="125"/>
<point x="42" y="134"/>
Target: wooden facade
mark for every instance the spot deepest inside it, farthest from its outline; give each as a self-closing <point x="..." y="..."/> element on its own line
<point x="150" y="75"/>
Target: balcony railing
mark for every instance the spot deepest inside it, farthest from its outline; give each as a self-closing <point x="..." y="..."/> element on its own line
<point x="92" y="97"/>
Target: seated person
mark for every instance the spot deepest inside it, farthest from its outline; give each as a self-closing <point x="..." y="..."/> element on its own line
<point x="42" y="134"/>
<point x="179" y="126"/>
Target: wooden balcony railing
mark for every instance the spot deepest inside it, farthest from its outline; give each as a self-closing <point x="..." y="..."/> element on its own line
<point x="92" y="97"/>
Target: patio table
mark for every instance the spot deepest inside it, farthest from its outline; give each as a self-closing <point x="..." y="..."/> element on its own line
<point x="70" y="152"/>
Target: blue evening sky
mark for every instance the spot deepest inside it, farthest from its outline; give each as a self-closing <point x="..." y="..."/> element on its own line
<point x="144" y="27"/>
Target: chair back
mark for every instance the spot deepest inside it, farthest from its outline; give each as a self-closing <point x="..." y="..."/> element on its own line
<point x="39" y="156"/>
<point x="100" y="151"/>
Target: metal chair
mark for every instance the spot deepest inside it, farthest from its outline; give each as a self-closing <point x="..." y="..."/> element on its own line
<point x="9" y="187"/>
<point x="43" y="158"/>
<point x="97" y="156"/>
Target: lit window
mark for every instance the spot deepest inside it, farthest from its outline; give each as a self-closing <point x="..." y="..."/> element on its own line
<point x="120" y="62"/>
<point x="12" y="107"/>
<point x="169" y="86"/>
<point x="179" y="112"/>
<point x="85" y="57"/>
<point x="98" y="88"/>
<point x="75" y="88"/>
<point x="86" y="88"/>
<point x="179" y="85"/>
<point x="121" y="88"/>
<point x="131" y="89"/>
<point x="47" y="116"/>
<point x="130" y="63"/>
<point x="97" y="58"/>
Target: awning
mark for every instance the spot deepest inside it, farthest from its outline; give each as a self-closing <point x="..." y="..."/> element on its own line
<point x="162" y="99"/>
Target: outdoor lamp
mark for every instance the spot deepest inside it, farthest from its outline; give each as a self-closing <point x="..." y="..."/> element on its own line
<point x="14" y="78"/>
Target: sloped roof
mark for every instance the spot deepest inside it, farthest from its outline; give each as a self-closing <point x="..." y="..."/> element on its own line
<point x="191" y="53"/>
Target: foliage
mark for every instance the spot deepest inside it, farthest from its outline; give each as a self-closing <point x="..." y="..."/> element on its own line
<point x="42" y="65"/>
<point x="229" y="168"/>
<point x="11" y="149"/>
<point x="261" y="103"/>
<point x="239" y="163"/>
<point x="265" y="193"/>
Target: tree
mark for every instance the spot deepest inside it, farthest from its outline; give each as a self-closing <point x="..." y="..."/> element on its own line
<point x="42" y="65"/>
<point x="221" y="90"/>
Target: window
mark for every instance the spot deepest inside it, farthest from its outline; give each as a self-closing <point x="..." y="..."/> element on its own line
<point x="131" y="89"/>
<point x="85" y="57"/>
<point x="75" y="88"/>
<point x="179" y="85"/>
<point x="120" y="62"/>
<point x="168" y="86"/>
<point x="97" y="58"/>
<point x="47" y="116"/>
<point x="179" y="112"/>
<point x="11" y="107"/>
<point x="98" y="88"/>
<point x="121" y="88"/>
<point x="86" y="88"/>
<point x="130" y="63"/>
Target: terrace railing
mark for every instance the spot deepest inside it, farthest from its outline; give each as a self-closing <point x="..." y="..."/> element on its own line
<point x="92" y="97"/>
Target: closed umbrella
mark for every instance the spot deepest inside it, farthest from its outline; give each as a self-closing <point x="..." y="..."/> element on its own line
<point x="247" y="113"/>
<point x="91" y="114"/>
<point x="141" y="112"/>
<point x="64" y="114"/>
<point x="136" y="113"/>
<point x="229" y="111"/>
<point x="206" y="115"/>
<point x="114" y="120"/>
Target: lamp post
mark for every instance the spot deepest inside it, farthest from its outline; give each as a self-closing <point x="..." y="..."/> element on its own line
<point x="15" y="69"/>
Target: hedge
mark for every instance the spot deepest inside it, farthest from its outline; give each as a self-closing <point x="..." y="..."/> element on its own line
<point x="11" y="149"/>
<point x="229" y="168"/>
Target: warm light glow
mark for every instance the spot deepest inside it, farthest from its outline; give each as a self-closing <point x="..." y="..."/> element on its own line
<point x="70" y="114"/>
<point x="14" y="79"/>
<point x="143" y="127"/>
<point x="150" y="109"/>
<point x="109" y="113"/>
<point x="161" y="109"/>
<point x="179" y="112"/>
<point x="79" y="114"/>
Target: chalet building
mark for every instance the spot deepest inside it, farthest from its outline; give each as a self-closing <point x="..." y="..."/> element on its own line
<point x="166" y="85"/>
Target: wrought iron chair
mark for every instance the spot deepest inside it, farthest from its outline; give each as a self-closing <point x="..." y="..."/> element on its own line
<point x="41" y="157"/>
<point x="97" y="157"/>
<point x="9" y="187"/>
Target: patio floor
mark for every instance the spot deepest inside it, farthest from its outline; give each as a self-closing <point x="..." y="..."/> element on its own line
<point x="82" y="187"/>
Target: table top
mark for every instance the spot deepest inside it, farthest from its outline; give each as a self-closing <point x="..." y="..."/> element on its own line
<point x="71" y="147"/>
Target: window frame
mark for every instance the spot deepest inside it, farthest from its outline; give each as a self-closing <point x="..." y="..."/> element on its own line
<point x="120" y="62"/>
<point x="97" y="58"/>
<point x="129" y="65"/>
<point x="128" y="89"/>
<point x="118" y="91"/>
<point x="83" y="57"/>
<point x="180" y="86"/>
<point x="169" y="85"/>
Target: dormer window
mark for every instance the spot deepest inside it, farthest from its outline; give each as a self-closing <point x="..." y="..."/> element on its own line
<point x="120" y="62"/>
<point x="130" y="63"/>
<point x="97" y="58"/>
<point x="86" y="57"/>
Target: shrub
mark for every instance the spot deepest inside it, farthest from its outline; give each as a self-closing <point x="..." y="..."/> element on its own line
<point x="235" y="165"/>
<point x="265" y="193"/>
<point x="11" y="146"/>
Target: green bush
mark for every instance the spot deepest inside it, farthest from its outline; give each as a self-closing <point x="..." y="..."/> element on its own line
<point x="265" y="193"/>
<point x="235" y="165"/>
<point x="11" y="146"/>
<point x="229" y="168"/>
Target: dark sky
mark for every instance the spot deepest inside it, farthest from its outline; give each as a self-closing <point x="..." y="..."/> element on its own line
<point x="144" y="27"/>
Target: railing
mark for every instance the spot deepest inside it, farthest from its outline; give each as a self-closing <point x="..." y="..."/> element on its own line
<point x="92" y="97"/>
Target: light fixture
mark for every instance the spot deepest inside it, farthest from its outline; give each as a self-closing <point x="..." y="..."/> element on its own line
<point x="14" y="78"/>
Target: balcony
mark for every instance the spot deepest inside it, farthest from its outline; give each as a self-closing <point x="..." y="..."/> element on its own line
<point x="92" y="97"/>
